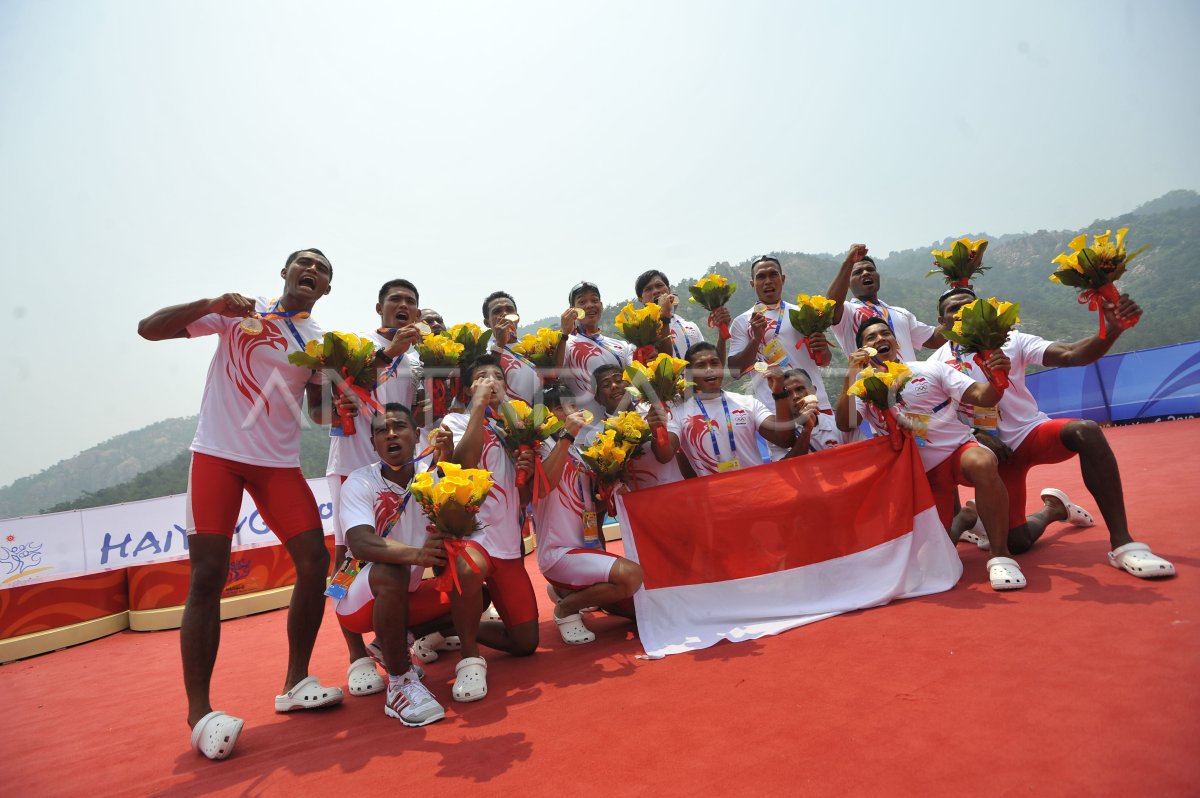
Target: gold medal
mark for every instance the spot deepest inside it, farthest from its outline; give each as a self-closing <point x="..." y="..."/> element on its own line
<point x="579" y="313"/>
<point x="758" y="308"/>
<point x="251" y="326"/>
<point x="871" y="351"/>
<point x="513" y="318"/>
<point x="423" y="328"/>
<point x="760" y="367"/>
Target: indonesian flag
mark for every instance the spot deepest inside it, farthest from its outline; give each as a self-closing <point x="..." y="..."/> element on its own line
<point x="757" y="551"/>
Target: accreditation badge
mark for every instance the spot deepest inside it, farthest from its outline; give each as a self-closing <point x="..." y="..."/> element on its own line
<point x="345" y="576"/>
<point x="920" y="427"/>
<point x="987" y="419"/>
<point x="729" y="465"/>
<point x="591" y="530"/>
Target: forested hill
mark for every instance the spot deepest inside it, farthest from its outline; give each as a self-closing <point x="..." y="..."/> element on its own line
<point x="152" y="461"/>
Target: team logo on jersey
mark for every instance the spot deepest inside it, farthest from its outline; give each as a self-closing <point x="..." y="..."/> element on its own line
<point x="740" y="417"/>
<point x="695" y="434"/>
<point x="240" y="369"/>
<point x="387" y="511"/>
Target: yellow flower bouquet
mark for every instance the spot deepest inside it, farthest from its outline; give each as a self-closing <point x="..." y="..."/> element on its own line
<point x="812" y="314"/>
<point x="659" y="381"/>
<point x="352" y="361"/>
<point x="959" y="263"/>
<point x="607" y="458"/>
<point x="712" y="292"/>
<point x="881" y="388"/>
<point x="440" y="356"/>
<point x="451" y="504"/>
<point x="539" y="348"/>
<point x="981" y="328"/>
<point x="1094" y="269"/>
<point x="522" y="428"/>
<point x="473" y="338"/>
<point x="644" y="328"/>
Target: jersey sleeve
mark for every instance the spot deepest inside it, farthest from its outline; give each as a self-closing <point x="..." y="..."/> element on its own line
<point x="953" y="381"/>
<point x="759" y="410"/>
<point x="1031" y="349"/>
<point x="209" y="324"/>
<point x="918" y="331"/>
<point x="357" y="504"/>
<point x="739" y="335"/>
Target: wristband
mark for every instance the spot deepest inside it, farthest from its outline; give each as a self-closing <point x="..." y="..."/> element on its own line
<point x="564" y="435"/>
<point x="382" y="356"/>
<point x="778" y="396"/>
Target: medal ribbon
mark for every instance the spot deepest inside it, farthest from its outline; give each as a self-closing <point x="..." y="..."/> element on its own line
<point x="728" y="427"/>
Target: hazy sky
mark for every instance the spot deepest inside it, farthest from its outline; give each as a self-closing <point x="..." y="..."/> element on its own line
<point x="153" y="153"/>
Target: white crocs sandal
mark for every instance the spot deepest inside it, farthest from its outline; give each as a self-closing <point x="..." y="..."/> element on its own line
<point x="308" y="694"/>
<point x="1137" y="559"/>
<point x="215" y="734"/>
<point x="490" y="614"/>
<point x="470" y="683"/>
<point x="977" y="535"/>
<point x="1076" y="515"/>
<point x="363" y="679"/>
<point x="573" y="631"/>
<point x="1005" y="574"/>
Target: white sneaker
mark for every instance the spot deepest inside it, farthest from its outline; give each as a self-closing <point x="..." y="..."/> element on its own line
<point x="411" y="703"/>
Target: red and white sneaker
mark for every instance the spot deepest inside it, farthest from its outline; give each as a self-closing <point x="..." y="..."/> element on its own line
<point x="411" y="703"/>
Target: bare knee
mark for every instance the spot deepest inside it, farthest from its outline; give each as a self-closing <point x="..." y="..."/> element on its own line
<point x="627" y="575"/>
<point x="1083" y="435"/>
<point x="389" y="579"/>
<point x="524" y="638"/>
<point x="980" y="466"/>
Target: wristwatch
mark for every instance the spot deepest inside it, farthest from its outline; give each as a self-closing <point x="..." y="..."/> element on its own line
<point x="382" y="357"/>
<point x="778" y="396"/>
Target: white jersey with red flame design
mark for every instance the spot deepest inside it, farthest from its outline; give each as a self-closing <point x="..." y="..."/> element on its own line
<point x="558" y="517"/>
<point x="697" y="432"/>
<point x="790" y="341"/>
<point x="499" y="517"/>
<point x="1019" y="411"/>
<point x="346" y="454"/>
<point x="521" y="379"/>
<point x="583" y="356"/>
<point x="370" y="500"/>
<point x="253" y="397"/>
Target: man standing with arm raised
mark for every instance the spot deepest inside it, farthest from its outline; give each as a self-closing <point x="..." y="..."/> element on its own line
<point x="248" y="438"/>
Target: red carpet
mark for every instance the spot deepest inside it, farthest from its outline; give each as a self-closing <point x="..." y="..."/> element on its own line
<point x="1085" y="683"/>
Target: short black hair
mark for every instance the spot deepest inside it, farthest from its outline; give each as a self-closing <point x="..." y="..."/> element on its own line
<point x="399" y="282"/>
<point x="494" y="296"/>
<point x="871" y="322"/>
<point x="866" y="258"/>
<point x="393" y="407"/>
<point x="486" y="359"/>
<point x="643" y="280"/>
<point x="300" y="252"/>
<point x="554" y="393"/>
<point x="963" y="290"/>
<point x="697" y="348"/>
<point x="580" y="288"/>
<point x="798" y="372"/>
<point x="765" y="259"/>
<point x="603" y="369"/>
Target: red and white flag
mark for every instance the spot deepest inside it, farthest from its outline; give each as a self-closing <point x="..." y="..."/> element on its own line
<point x="758" y="551"/>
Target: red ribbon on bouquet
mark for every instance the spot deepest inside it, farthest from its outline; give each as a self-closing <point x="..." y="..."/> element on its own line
<point x="660" y="433"/>
<point x="961" y="282"/>
<point x="820" y="358"/>
<point x="722" y="328"/>
<point x="893" y="428"/>
<point x="644" y="354"/>
<point x="1095" y="299"/>
<point x="997" y="377"/>
<point x="348" y="386"/>
<point x="604" y="495"/>
<point x="541" y="483"/>
<point x="447" y="580"/>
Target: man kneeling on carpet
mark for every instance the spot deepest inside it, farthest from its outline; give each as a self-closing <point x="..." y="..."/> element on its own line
<point x="380" y="587"/>
<point x="579" y="572"/>
<point x="950" y="455"/>
<point x="1023" y="437"/>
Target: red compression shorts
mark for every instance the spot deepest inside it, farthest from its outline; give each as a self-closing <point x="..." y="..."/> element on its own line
<point x="214" y="497"/>
<point x="943" y="479"/>
<point x="510" y="588"/>
<point x="424" y="605"/>
<point x="1042" y="446"/>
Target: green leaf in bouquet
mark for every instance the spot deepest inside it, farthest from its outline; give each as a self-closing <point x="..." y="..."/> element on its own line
<point x="510" y="415"/>
<point x="304" y="360"/>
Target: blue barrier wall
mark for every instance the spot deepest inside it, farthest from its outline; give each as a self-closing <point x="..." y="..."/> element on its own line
<point x="1132" y="386"/>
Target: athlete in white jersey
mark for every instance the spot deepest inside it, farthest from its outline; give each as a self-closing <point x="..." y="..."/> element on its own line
<point x="381" y="590"/>
<point x="248" y="438"/>
<point x="521" y="378"/>
<point x="653" y="286"/>
<point x="816" y="429"/>
<point x="494" y="551"/>
<point x="394" y="337"/>
<point x="859" y="276"/>
<point x="583" y="348"/>
<point x="1024" y="437"/>
<point x="948" y="453"/>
